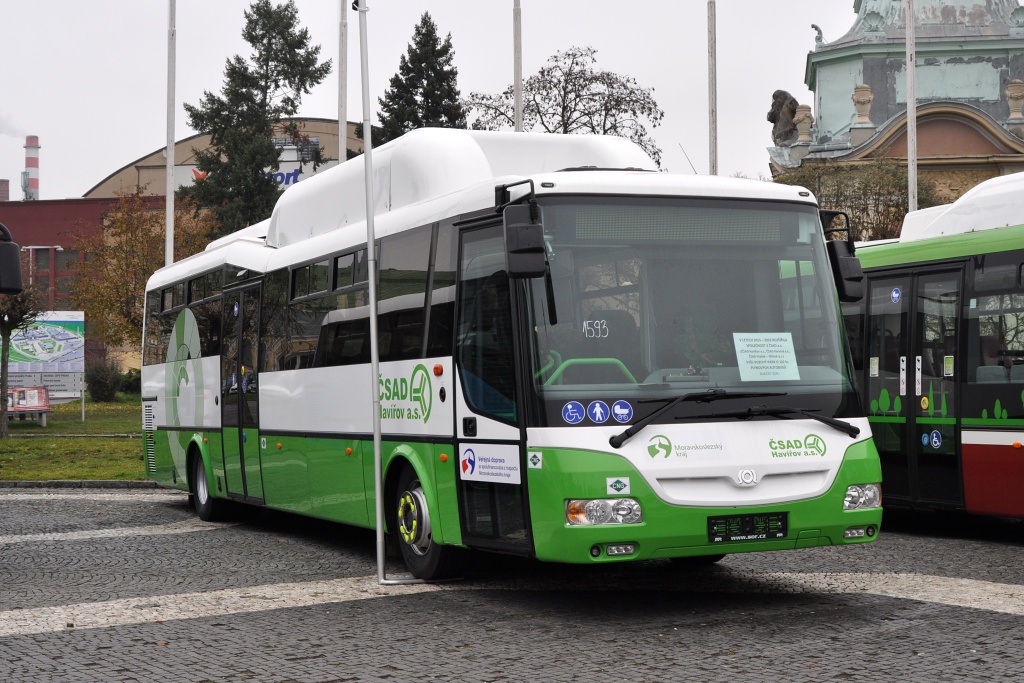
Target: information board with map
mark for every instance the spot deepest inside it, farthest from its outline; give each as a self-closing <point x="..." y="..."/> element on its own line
<point x="55" y="342"/>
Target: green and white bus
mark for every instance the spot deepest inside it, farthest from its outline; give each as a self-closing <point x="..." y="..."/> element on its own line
<point x="581" y="359"/>
<point x="938" y="343"/>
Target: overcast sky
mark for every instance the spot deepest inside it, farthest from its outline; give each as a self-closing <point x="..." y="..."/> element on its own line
<point x="89" y="78"/>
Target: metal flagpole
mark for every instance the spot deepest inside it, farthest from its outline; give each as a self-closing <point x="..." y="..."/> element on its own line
<point x="169" y="186"/>
<point x="712" y="92"/>
<point x="343" y="81"/>
<point x="371" y="254"/>
<point x="517" y="61"/>
<point x="911" y="108"/>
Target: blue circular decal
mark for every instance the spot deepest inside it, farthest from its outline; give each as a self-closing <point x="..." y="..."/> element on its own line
<point x="573" y="412"/>
<point x="598" y="411"/>
<point x="895" y="295"/>
<point x="622" y="412"/>
<point x="936" y="439"/>
<point x="925" y="439"/>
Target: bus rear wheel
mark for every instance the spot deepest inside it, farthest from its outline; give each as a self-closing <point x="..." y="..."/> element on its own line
<point x="207" y="507"/>
<point x="425" y="559"/>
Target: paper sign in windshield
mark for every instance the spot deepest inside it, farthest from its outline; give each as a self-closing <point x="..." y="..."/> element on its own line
<point x="766" y="357"/>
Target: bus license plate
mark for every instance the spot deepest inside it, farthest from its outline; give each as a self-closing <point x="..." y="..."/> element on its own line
<point x="756" y="527"/>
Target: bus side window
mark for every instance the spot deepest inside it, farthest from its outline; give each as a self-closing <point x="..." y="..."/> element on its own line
<point x="404" y="261"/>
<point x="345" y="342"/>
<point x="151" y="351"/>
<point x="304" y="322"/>
<point x="995" y="324"/>
<point x="207" y="315"/>
<point x="274" y="333"/>
<point x="442" y="296"/>
<point x="484" y="337"/>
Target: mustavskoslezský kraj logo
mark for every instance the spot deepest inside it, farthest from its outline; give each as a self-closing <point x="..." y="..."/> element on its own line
<point x="659" y="445"/>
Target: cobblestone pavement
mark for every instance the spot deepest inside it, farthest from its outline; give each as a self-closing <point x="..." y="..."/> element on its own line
<point x="105" y="585"/>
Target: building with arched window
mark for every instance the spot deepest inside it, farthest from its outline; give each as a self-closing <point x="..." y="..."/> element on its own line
<point x="969" y="83"/>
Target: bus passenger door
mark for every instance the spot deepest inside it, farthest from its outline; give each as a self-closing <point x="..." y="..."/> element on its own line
<point x="240" y="394"/>
<point x="490" y="474"/>
<point x="912" y="359"/>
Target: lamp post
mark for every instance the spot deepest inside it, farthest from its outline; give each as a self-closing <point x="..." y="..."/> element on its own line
<point x="911" y="108"/>
<point x="712" y="91"/>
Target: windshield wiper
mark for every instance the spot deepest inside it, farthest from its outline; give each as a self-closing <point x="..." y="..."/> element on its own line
<point x="755" y="411"/>
<point x="697" y="396"/>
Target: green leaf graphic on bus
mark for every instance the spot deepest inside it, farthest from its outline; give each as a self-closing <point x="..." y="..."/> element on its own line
<point x="184" y="384"/>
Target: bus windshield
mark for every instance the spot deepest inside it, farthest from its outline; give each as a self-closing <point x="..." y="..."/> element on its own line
<point x="655" y="298"/>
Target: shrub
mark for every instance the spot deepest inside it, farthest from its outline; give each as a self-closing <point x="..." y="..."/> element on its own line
<point x="131" y="381"/>
<point x="103" y="380"/>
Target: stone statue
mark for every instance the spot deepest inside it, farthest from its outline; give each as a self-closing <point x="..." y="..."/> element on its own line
<point x="784" y="105"/>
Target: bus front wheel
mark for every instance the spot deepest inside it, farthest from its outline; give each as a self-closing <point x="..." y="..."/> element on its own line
<point x="425" y="559"/>
<point x="207" y="507"/>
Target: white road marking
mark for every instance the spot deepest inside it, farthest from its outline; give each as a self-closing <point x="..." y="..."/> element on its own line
<point x="941" y="590"/>
<point x="151" y="495"/>
<point x="161" y="608"/>
<point x="182" y="527"/>
<point x="953" y="592"/>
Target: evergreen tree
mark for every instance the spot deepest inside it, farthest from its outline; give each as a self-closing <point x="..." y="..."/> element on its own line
<point x="424" y="91"/>
<point x="259" y="97"/>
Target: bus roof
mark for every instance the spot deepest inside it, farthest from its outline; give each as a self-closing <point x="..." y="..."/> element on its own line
<point x="433" y="162"/>
<point x="995" y="203"/>
<point x="430" y="173"/>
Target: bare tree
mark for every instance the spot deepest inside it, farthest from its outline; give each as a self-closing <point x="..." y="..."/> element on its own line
<point x="568" y="95"/>
<point x="873" y="194"/>
<point x="110" y="285"/>
<point x="16" y="311"/>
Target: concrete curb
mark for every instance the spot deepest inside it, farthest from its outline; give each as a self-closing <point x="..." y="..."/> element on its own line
<point x="76" y="484"/>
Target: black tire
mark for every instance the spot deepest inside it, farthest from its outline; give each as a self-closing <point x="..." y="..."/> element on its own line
<point x="697" y="561"/>
<point x="425" y="559"/>
<point x="207" y="507"/>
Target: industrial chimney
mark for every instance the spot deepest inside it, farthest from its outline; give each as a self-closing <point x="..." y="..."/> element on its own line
<point x="5" y="190"/>
<point x="30" y="176"/>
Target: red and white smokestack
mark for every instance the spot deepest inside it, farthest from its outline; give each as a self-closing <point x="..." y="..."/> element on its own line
<point x="31" y="184"/>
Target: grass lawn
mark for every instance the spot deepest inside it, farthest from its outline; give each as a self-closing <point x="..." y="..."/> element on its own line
<point x="68" y="448"/>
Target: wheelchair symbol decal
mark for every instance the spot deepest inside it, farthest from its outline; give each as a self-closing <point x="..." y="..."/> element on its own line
<point x="573" y="412"/>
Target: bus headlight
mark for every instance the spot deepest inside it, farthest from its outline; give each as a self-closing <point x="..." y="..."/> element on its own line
<point x="603" y="511"/>
<point x="863" y="497"/>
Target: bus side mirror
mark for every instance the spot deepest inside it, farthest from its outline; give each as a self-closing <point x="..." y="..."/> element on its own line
<point x="524" y="243"/>
<point x="846" y="270"/>
<point x="10" y="263"/>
